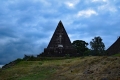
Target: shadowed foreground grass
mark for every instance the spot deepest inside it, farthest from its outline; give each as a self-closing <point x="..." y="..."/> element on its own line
<point x="81" y="68"/>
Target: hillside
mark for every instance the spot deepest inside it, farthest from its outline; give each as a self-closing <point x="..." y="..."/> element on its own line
<point x="81" y="68"/>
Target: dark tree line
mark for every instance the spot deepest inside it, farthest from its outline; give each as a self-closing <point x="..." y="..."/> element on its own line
<point x="97" y="47"/>
<point x="80" y="46"/>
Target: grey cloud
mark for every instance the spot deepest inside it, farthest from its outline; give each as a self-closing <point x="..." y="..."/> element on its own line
<point x="26" y="25"/>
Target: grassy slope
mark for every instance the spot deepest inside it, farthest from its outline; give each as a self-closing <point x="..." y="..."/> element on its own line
<point x="82" y="68"/>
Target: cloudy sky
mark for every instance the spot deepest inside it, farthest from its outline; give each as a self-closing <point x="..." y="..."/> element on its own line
<point x="26" y="26"/>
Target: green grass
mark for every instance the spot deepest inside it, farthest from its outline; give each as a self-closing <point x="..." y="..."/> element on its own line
<point x="32" y="70"/>
<point x="61" y="68"/>
<point x="38" y="74"/>
<point x="27" y="70"/>
<point x="117" y="55"/>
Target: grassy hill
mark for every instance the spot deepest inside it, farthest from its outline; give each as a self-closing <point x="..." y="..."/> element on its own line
<point x="81" y="68"/>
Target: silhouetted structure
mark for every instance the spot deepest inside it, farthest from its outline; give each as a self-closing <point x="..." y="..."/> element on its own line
<point x="114" y="48"/>
<point x="60" y="44"/>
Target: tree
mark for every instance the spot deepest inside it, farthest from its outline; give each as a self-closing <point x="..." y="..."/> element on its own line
<point x="97" y="46"/>
<point x="80" y="46"/>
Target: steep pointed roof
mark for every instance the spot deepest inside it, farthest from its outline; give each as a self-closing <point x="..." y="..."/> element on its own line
<point x="114" y="48"/>
<point x="60" y="37"/>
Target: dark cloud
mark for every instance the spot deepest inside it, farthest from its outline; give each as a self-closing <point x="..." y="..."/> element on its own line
<point x="26" y="26"/>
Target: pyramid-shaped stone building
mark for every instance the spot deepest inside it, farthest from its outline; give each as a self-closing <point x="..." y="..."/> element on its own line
<point x="114" y="48"/>
<point x="60" y="44"/>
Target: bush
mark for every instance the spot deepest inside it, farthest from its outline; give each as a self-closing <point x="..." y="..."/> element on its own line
<point x="67" y="55"/>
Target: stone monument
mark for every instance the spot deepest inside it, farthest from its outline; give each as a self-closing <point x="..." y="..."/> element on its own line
<point x="60" y="44"/>
<point x="114" y="48"/>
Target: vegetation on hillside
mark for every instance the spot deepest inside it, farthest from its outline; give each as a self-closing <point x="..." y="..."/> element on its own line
<point x="81" y="68"/>
<point x="97" y="47"/>
<point x="81" y="47"/>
